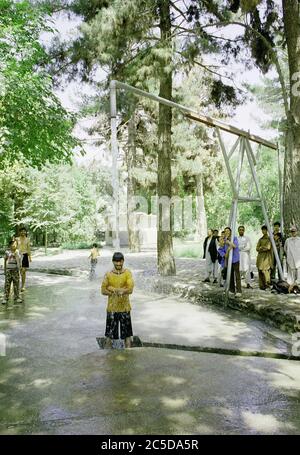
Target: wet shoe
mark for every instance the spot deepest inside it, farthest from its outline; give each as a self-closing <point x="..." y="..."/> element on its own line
<point x="207" y="280"/>
<point x="249" y="286"/>
<point x="215" y="281"/>
<point x="18" y="300"/>
<point x="107" y="343"/>
<point x="127" y="344"/>
<point x="4" y="302"/>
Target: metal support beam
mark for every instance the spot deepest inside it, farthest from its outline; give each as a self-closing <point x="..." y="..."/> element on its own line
<point x="230" y="215"/>
<point x="263" y="205"/>
<point x="226" y="162"/>
<point x="249" y="199"/>
<point x="115" y="173"/>
<point x="233" y="148"/>
<point x="243" y="140"/>
<point x="280" y="190"/>
<point x="234" y="210"/>
<point x="196" y="116"/>
<point x="255" y="163"/>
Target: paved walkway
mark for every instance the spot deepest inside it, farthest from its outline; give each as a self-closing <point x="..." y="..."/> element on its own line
<point x="280" y="310"/>
<point x="55" y="380"/>
<point x="283" y="311"/>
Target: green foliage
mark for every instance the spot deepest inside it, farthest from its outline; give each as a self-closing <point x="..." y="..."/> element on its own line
<point x="249" y="5"/>
<point x="223" y="94"/>
<point x="33" y="124"/>
<point x="187" y="251"/>
<point x="218" y="202"/>
<point x="264" y="27"/>
<point x="122" y="37"/>
<point x="196" y="152"/>
<point x="15" y="181"/>
<point x="49" y="205"/>
<point x="268" y="94"/>
<point x="66" y="201"/>
<point x="77" y="245"/>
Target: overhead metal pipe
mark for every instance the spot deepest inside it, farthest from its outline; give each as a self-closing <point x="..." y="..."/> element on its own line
<point x="264" y="209"/>
<point x="115" y="172"/>
<point x="196" y="116"/>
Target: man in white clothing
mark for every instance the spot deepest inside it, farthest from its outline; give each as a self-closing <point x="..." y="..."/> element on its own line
<point x="292" y="251"/>
<point x="245" y="258"/>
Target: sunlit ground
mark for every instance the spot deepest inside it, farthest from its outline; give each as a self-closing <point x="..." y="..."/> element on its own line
<point x="55" y="380"/>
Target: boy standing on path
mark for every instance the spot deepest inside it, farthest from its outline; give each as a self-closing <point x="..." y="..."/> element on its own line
<point x="23" y="245"/>
<point x="93" y="257"/>
<point x="117" y="285"/>
<point x="12" y="266"/>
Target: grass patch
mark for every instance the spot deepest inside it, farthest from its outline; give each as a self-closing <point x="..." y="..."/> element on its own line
<point x="77" y="246"/>
<point x="188" y="251"/>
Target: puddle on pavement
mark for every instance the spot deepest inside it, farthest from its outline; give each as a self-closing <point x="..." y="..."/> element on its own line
<point x="46" y="293"/>
<point x="119" y="344"/>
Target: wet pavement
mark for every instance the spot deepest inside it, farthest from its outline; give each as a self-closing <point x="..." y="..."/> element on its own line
<point x="280" y="310"/>
<point x="55" y="380"/>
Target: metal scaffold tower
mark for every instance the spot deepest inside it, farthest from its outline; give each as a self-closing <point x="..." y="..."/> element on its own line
<point x="242" y="146"/>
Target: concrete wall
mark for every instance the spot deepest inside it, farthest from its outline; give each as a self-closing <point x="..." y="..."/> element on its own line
<point x="145" y="225"/>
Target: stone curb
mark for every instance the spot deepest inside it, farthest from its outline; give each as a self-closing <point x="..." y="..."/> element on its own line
<point x="65" y="272"/>
<point x="283" y="318"/>
<point x="275" y="313"/>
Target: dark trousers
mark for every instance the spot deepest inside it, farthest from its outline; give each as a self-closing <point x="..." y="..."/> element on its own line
<point x="275" y="267"/>
<point x="264" y="279"/>
<point x="235" y="278"/>
<point x="12" y="276"/>
<point x="112" y="325"/>
<point x="93" y="269"/>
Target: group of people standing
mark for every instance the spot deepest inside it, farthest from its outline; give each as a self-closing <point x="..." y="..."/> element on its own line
<point x="117" y="285"/>
<point x="16" y="263"/>
<point x="217" y="249"/>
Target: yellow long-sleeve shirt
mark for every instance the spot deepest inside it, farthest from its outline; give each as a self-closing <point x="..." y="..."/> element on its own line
<point x="23" y="245"/>
<point x="118" y="303"/>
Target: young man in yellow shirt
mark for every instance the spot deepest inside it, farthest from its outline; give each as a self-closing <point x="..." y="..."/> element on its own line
<point x="117" y="285"/>
<point x="23" y="245"/>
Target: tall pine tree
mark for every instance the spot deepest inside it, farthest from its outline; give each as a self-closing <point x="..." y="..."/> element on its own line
<point x="143" y="42"/>
<point x="269" y="29"/>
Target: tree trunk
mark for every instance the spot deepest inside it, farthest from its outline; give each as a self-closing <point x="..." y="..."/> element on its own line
<point x="133" y="234"/>
<point x="46" y="240"/>
<point x="291" y="17"/>
<point x="201" y="224"/>
<point x="165" y="256"/>
<point x="16" y="206"/>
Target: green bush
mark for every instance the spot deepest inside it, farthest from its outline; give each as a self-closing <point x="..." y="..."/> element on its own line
<point x="77" y="246"/>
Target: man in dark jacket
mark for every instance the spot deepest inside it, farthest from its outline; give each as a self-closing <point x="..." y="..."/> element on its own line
<point x="279" y="242"/>
<point x="210" y="254"/>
